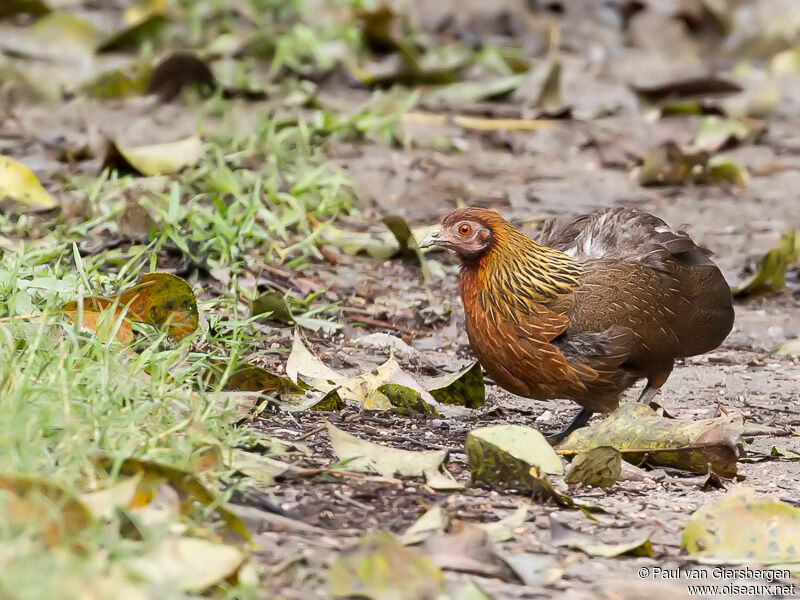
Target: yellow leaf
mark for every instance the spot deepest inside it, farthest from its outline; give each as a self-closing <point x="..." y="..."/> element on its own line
<point x="155" y="159"/>
<point x="20" y="189"/>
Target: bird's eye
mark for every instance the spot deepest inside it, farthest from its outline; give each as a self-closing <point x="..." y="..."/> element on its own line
<point x="464" y="229"/>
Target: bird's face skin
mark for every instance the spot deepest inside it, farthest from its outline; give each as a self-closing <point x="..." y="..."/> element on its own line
<point x="470" y="238"/>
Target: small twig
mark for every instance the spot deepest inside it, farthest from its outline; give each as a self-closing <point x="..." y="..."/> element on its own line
<point x="314" y="431"/>
<point x="349" y="500"/>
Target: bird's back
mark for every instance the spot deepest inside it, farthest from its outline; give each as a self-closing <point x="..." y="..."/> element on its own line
<point x="642" y="275"/>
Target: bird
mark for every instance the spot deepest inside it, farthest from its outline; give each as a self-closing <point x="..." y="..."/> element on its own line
<point x="590" y="306"/>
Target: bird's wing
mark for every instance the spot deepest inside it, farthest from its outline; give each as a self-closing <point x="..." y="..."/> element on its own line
<point x="577" y="367"/>
<point x="624" y="234"/>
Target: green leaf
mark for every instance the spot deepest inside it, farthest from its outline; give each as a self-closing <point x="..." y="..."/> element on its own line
<point x="715" y="133"/>
<point x="149" y="26"/>
<point x="380" y="568"/>
<point x="790" y="348"/>
<point x="463" y="388"/>
<point x="561" y="535"/>
<point x="366" y="457"/>
<point x="20" y="190"/>
<point x="641" y="435"/>
<point x="771" y="274"/>
<point x="739" y="528"/>
<point x="598" y="467"/>
<point x="513" y="447"/>
<point x="272" y="304"/>
<point x="405" y="400"/>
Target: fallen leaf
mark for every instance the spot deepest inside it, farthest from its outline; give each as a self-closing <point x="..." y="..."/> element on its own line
<point x="687" y="88"/>
<point x="478" y="124"/>
<point x="640" y="435"/>
<point x="670" y="165"/>
<point x="598" y="467"/>
<point x="771" y="274"/>
<point x="20" y="189"/>
<point x="251" y="378"/>
<point x="184" y="482"/>
<point x="190" y="564"/>
<point x="715" y="133"/>
<point x="104" y="502"/>
<point x="366" y="390"/>
<point x="363" y="456"/>
<point x="177" y="71"/>
<point x="434" y="521"/>
<point x="442" y="482"/>
<point x="34" y="8"/>
<point x="503" y="530"/>
<point x="409" y="246"/>
<point x="739" y="528"/>
<point x="786" y="62"/>
<point x="469" y="591"/>
<point x="549" y="99"/>
<point x="124" y="82"/>
<point x="155" y="159"/>
<point x="159" y="299"/>
<point x="466" y="550"/>
<point x="302" y="362"/>
<point x="380" y="568"/>
<point x="514" y="447"/>
<point x="534" y="570"/>
<point x="463" y="388"/>
<point x="380" y="245"/>
<point x="405" y="400"/>
<point x="507" y="458"/>
<point x="561" y="535"/>
<point x="790" y="348"/>
<point x="33" y="503"/>
<point x="141" y="25"/>
<point x="470" y="92"/>
<point x="271" y="304"/>
<point x="259" y="467"/>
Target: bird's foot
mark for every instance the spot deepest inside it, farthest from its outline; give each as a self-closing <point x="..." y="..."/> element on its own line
<point x="580" y="420"/>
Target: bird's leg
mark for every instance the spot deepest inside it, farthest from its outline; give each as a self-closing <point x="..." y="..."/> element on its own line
<point x="648" y="393"/>
<point x="581" y="419"/>
<point x="654" y="383"/>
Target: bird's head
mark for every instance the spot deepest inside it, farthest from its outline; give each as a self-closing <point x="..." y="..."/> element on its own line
<point x="469" y="232"/>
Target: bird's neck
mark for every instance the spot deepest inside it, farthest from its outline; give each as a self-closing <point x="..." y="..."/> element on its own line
<point x="519" y="272"/>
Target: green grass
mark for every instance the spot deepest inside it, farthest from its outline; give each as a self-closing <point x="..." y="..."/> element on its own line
<point x="259" y="196"/>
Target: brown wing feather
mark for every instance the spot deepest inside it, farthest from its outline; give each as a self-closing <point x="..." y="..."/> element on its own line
<point x="584" y="368"/>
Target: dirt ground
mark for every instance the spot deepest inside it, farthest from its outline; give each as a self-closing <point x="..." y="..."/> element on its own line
<point x="566" y="169"/>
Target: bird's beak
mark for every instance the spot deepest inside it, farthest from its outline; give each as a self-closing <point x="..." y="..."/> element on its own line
<point x="430" y="240"/>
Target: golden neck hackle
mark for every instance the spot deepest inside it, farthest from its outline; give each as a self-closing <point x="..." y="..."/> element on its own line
<point x="516" y="273"/>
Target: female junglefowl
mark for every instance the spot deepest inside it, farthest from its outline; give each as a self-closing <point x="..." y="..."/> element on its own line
<point x="592" y="305"/>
